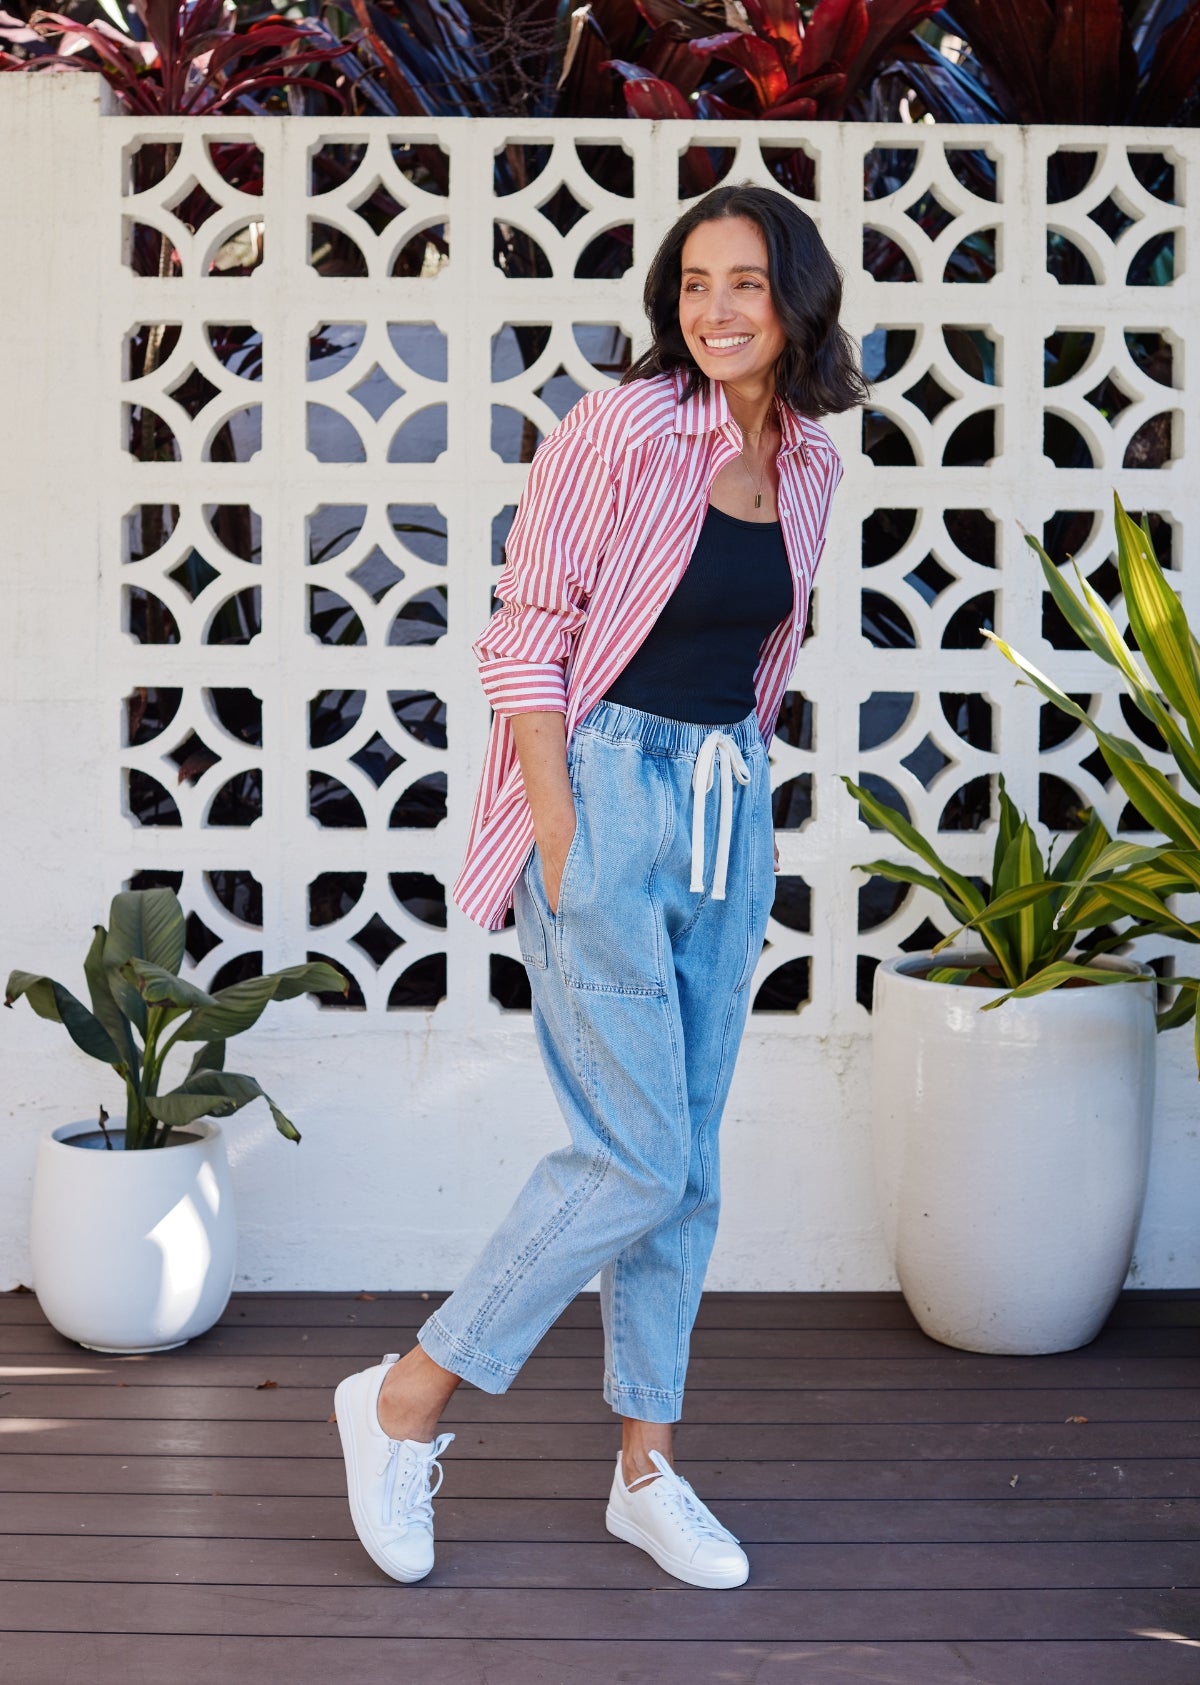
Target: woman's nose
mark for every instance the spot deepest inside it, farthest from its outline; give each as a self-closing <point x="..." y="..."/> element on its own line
<point x="721" y="307"/>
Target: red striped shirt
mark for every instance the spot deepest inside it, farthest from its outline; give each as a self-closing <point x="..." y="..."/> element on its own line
<point x="606" y="525"/>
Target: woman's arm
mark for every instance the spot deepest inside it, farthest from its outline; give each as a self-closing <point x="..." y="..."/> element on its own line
<point x="541" y="741"/>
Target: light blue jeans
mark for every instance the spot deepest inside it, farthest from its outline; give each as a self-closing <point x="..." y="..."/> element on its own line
<point x="640" y="990"/>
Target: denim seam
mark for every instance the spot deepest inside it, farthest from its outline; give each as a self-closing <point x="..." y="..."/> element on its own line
<point x="562" y="1218"/>
<point x="532" y="959"/>
<point x="682" y="1334"/>
<point x="614" y="1385"/>
<point x="549" y="1231"/>
<point x="637" y="991"/>
<point x="471" y="1354"/>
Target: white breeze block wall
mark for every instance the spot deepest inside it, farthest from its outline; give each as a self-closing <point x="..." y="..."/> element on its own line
<point x="185" y="636"/>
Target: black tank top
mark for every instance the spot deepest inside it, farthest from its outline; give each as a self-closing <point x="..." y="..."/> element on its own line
<point x="698" y="661"/>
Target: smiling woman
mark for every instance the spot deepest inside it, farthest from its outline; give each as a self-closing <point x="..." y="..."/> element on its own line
<point x="653" y="602"/>
<point x="747" y="260"/>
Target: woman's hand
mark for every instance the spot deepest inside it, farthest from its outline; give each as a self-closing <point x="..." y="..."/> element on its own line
<point x="554" y="838"/>
<point x="541" y="741"/>
<point x="777" y="857"/>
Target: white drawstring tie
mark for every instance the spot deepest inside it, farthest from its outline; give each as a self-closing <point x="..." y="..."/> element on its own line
<point x="719" y="748"/>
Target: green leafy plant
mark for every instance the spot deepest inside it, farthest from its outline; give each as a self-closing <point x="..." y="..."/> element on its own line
<point x="1033" y="914"/>
<point x="141" y="1008"/>
<point x="1135" y="879"/>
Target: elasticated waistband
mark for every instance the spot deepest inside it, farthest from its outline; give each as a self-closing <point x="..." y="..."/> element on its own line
<point x="658" y="735"/>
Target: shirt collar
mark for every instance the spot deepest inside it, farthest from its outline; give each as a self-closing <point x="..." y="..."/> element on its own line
<point x="707" y="411"/>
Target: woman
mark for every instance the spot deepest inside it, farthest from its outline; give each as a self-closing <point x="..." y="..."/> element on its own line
<point x="653" y="603"/>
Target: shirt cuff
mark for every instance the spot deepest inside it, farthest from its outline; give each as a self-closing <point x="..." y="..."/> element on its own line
<point x="523" y="687"/>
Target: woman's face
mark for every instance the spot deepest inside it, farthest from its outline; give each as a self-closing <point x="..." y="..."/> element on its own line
<point x="725" y="307"/>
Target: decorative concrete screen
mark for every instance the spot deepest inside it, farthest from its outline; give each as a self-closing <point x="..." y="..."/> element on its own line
<point x="270" y="409"/>
<point x="332" y="374"/>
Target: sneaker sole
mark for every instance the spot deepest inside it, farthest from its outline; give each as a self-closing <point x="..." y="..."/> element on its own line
<point x="712" y="1580"/>
<point x="343" y="1406"/>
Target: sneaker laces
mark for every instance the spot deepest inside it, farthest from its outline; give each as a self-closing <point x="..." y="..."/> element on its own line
<point x="684" y="1501"/>
<point x="408" y="1489"/>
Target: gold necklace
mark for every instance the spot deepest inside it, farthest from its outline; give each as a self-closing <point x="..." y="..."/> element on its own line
<point x="759" y="484"/>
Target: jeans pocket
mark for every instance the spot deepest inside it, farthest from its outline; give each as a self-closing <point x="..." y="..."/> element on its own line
<point x="531" y="929"/>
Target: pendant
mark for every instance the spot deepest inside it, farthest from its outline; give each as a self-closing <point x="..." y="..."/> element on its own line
<point x="758" y="500"/>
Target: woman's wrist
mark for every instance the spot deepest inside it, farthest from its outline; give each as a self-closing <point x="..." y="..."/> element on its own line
<point x="554" y="823"/>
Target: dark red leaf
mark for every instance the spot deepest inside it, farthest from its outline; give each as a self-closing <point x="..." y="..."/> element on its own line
<point x="407" y="99"/>
<point x="648" y="97"/>
<point x="246" y="82"/>
<point x="888" y="21"/>
<point x="712" y="108"/>
<point x="1013" y="46"/>
<point x="812" y="87"/>
<point x="758" y="60"/>
<point x="1173" y="74"/>
<point x="836" y="31"/>
<point x="264" y="35"/>
<point x="795" y="109"/>
<point x="666" y="56"/>
<point x="686" y="19"/>
<point x="778" y="21"/>
<point x="1086" y="72"/>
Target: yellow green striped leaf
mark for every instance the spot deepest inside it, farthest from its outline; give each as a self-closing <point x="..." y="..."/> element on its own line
<point x="897" y="873"/>
<point x="1060" y="972"/>
<point x="889" y="820"/>
<point x="1157" y="619"/>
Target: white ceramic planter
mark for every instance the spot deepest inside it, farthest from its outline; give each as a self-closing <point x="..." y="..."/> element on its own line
<point x="133" y="1252"/>
<point x="1011" y="1150"/>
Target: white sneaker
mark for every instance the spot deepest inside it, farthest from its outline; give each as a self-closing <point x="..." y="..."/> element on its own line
<point x="389" y="1481"/>
<point x="663" y="1516"/>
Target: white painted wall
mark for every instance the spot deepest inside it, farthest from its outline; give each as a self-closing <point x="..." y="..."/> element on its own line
<point x="419" y="1127"/>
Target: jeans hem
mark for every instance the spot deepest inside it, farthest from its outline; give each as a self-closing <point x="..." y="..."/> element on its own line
<point x="475" y="1366"/>
<point x="646" y="1404"/>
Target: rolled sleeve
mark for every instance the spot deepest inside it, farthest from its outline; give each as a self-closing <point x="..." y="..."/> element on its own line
<point x="558" y="539"/>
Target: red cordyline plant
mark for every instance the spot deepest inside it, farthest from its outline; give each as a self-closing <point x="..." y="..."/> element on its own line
<point x="193" y="61"/>
<point x="793" y="71"/>
<point x="1065" y="61"/>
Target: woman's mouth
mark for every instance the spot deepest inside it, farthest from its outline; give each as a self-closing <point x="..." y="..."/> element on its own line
<point x="724" y="343"/>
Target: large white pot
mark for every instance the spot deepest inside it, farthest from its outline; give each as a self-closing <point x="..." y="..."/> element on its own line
<point x="1011" y="1150"/>
<point x="132" y="1252"/>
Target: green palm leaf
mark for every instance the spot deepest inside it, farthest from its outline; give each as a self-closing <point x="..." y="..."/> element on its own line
<point x="234" y="1009"/>
<point x="215" y="1094"/>
<point x="50" y="1000"/>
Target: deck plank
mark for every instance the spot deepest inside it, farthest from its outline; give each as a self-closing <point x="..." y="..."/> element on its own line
<point x="38" y="1659"/>
<point x="429" y="1611"/>
<point x="795" y="1442"/>
<point x="589" y="1478"/>
<point x="114" y="1401"/>
<point x="359" y="1344"/>
<point x="67" y="1365"/>
<point x="1141" y="1308"/>
<point x="997" y="1564"/>
<point x="219" y="1515"/>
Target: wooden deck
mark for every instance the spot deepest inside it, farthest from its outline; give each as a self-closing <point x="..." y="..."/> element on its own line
<point x="914" y="1515"/>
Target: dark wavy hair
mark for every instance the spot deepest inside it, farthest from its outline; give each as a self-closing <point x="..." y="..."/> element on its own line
<point x="817" y="372"/>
